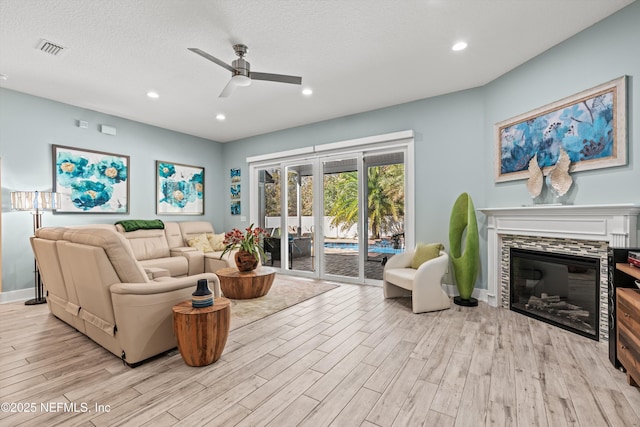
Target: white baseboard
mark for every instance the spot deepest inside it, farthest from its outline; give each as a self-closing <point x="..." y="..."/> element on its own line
<point x="479" y="294"/>
<point x="19" y="295"/>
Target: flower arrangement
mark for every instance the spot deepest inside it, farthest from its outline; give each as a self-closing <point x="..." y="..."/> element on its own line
<point x="249" y="241"/>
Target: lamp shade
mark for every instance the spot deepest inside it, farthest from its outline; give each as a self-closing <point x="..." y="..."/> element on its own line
<point x="35" y="201"/>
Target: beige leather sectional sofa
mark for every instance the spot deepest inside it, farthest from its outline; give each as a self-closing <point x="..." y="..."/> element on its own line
<point x="169" y="250"/>
<point x="118" y="287"/>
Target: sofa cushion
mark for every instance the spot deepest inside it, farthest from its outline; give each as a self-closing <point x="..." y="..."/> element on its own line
<point x="191" y="229"/>
<point x="174" y="235"/>
<point x="216" y="241"/>
<point x="118" y="251"/>
<point x="201" y="243"/>
<point x="426" y="252"/>
<point x="147" y="244"/>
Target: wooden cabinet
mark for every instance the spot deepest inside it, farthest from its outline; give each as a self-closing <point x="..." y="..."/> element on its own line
<point x="629" y="269"/>
<point x="628" y="336"/>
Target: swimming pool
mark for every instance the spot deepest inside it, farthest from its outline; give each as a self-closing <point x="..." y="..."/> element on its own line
<point x="354" y="247"/>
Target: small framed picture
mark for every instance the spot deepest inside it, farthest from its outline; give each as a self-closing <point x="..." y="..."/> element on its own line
<point x="235" y="191"/>
<point x="235" y="175"/>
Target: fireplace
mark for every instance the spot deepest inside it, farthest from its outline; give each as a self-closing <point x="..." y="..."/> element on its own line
<point x="559" y="289"/>
<point x="582" y="230"/>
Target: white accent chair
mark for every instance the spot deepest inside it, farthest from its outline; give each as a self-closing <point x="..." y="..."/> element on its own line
<point x="423" y="284"/>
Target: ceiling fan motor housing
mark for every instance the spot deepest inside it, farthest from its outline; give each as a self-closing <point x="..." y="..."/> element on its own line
<point x="241" y="67"/>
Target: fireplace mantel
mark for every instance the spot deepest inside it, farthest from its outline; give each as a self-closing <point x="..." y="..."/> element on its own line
<point x="614" y="224"/>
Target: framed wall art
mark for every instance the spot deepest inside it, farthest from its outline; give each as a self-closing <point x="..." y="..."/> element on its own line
<point x="180" y="189"/>
<point x="236" y="177"/>
<point x="235" y="191"/>
<point x="90" y="181"/>
<point x="590" y="126"/>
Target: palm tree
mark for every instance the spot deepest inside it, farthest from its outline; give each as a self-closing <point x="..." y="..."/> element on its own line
<point x="385" y="198"/>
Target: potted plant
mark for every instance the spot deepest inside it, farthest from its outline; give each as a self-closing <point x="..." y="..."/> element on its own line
<point x="248" y="244"/>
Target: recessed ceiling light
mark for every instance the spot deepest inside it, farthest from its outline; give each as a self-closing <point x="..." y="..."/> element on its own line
<point x="221" y="117"/>
<point x="459" y="46"/>
<point x="152" y="94"/>
<point x="307" y="91"/>
<point x="3" y="77"/>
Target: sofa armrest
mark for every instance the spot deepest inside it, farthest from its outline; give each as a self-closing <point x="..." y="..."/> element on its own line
<point x="194" y="257"/>
<point x="156" y="272"/>
<point x="143" y="315"/>
<point x="181" y="250"/>
<point x="166" y="285"/>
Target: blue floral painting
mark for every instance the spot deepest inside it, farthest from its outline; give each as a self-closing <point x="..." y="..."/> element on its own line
<point x="588" y="128"/>
<point x="235" y="191"/>
<point x="235" y="175"/>
<point x="180" y="189"/>
<point x="91" y="181"/>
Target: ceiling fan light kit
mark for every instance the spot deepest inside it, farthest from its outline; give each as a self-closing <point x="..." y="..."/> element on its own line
<point x="241" y="74"/>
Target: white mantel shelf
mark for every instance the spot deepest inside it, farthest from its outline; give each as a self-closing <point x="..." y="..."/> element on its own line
<point x="614" y="224"/>
<point x="564" y="210"/>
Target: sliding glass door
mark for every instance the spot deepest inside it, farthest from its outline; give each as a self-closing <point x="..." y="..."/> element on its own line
<point x="385" y="210"/>
<point x="300" y="227"/>
<point x="334" y="216"/>
<point x="342" y="228"/>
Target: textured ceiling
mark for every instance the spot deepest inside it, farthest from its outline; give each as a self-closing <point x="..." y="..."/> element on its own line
<point x="356" y="55"/>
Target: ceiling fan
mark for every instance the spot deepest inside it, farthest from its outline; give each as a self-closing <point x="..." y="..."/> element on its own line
<point x="241" y="74"/>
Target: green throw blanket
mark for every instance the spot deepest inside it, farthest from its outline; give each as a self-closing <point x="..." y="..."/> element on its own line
<point x="141" y="224"/>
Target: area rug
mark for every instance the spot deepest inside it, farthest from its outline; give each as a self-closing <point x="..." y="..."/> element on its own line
<point x="285" y="292"/>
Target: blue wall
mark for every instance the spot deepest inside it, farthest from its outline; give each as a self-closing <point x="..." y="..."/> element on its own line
<point x="607" y="50"/>
<point x="448" y="152"/>
<point x="30" y="125"/>
<point x="454" y="148"/>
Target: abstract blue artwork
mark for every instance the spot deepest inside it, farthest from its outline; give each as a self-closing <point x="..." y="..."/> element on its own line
<point x="590" y="127"/>
<point x="180" y="189"/>
<point x="90" y="181"/>
<point x="235" y="191"/>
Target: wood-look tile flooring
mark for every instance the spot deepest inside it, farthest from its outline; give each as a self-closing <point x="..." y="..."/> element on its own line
<point x="345" y="358"/>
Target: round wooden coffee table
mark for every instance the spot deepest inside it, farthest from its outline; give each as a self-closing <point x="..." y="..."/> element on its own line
<point x="246" y="284"/>
<point x="202" y="332"/>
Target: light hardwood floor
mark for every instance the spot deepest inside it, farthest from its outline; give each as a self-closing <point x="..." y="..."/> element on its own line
<point x="345" y="358"/>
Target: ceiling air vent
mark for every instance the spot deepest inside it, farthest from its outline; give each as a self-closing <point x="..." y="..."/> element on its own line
<point x="50" y="47"/>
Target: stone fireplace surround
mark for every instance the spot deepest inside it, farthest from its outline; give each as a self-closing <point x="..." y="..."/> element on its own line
<point x="576" y="229"/>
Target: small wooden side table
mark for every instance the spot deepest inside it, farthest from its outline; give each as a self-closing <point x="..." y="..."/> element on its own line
<point x="246" y="284"/>
<point x="202" y="332"/>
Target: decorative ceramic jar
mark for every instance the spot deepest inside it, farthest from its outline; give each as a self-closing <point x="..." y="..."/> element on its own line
<point x="245" y="260"/>
<point x="202" y="297"/>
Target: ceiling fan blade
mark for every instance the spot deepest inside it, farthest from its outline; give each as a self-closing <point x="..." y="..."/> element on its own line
<point x="228" y="89"/>
<point x="280" y="78"/>
<point x="211" y="58"/>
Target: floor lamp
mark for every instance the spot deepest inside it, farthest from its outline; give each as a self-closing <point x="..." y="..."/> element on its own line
<point x="36" y="202"/>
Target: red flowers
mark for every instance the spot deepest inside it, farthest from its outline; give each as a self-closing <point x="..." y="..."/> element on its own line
<point x="249" y="241"/>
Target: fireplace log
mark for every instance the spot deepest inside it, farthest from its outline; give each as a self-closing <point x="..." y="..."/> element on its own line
<point x="574" y="313"/>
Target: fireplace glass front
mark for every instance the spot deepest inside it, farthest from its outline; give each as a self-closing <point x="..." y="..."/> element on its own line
<point x="559" y="289"/>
